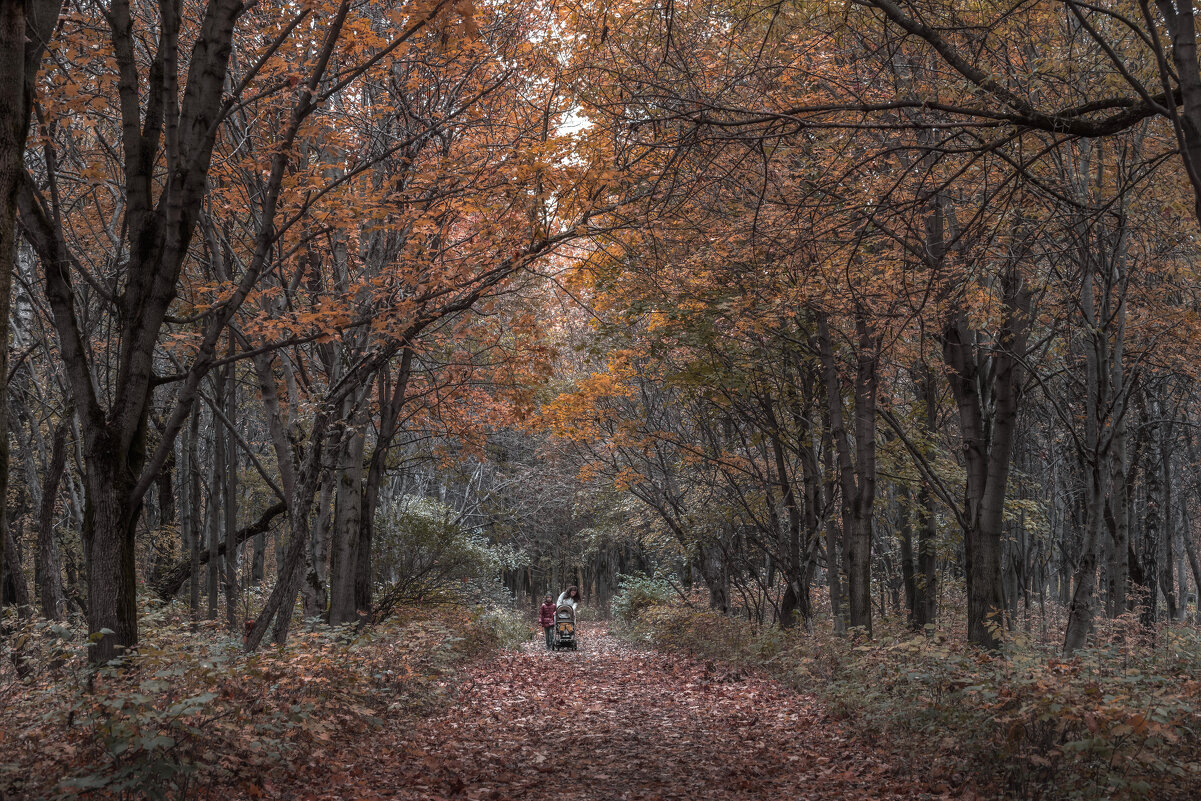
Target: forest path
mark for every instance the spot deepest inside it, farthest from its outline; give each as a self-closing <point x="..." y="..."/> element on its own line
<point x="615" y="723"/>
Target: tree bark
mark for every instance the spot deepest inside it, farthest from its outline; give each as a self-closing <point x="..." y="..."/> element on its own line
<point x="195" y="558"/>
<point x="279" y="603"/>
<point x="25" y="28"/>
<point x="49" y="569"/>
<point x="987" y="446"/>
<point x="857" y="473"/>
<point x="14" y="125"/>
<point x="1081" y="612"/>
<point x="833" y="562"/>
<point x="925" y="602"/>
<point x="347" y="522"/>
<point x="394" y="397"/>
<point x="230" y="498"/>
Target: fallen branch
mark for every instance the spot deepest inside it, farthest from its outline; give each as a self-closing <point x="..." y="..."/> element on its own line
<point x="168" y="584"/>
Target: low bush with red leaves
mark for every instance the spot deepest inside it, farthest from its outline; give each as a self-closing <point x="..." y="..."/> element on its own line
<point x="189" y="712"/>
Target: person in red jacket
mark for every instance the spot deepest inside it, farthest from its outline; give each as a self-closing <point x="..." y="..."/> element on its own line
<point x="546" y="619"/>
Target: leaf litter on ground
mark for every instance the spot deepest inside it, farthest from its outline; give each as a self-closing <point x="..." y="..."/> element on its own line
<point x="611" y="722"/>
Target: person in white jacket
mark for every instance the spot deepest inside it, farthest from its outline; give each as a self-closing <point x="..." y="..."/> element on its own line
<point x="569" y="596"/>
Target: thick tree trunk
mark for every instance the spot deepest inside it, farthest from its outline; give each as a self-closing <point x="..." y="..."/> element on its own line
<point x="1167" y="556"/>
<point x="1117" y="519"/>
<point x="712" y="565"/>
<point x="109" y="525"/>
<point x="165" y="490"/>
<point x="348" y="519"/>
<point x="795" y="606"/>
<point x="1152" y="531"/>
<point x="283" y="596"/>
<point x="1081" y="613"/>
<point x="212" y="517"/>
<point x="13" y="588"/>
<point x="14" y="125"/>
<point x="314" y="591"/>
<point x="1190" y="551"/>
<point x="258" y="559"/>
<point x="230" y="497"/>
<point x="1178" y="17"/>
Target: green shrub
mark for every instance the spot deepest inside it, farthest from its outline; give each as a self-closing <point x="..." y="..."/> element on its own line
<point x="637" y="593"/>
<point x="502" y="627"/>
<point x="426" y="557"/>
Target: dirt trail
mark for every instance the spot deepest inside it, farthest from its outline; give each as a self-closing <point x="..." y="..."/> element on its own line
<point x="611" y="723"/>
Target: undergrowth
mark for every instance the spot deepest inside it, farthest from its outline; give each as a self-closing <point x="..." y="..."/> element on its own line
<point x="1120" y="720"/>
<point x="190" y="713"/>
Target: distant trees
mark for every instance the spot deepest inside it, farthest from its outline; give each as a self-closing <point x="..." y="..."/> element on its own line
<point x="891" y="299"/>
<point x="262" y="235"/>
<point x="894" y="178"/>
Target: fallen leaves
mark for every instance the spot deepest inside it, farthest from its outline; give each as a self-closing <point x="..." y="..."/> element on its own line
<point x="611" y="723"/>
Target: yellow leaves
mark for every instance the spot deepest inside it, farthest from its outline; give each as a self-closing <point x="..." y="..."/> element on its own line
<point x="626" y="478"/>
<point x="581" y="413"/>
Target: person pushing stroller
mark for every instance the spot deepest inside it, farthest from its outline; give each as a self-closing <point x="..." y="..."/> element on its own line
<point x="564" y="633"/>
<point x="569" y="596"/>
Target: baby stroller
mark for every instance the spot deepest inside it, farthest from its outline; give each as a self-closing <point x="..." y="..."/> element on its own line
<point x="564" y="628"/>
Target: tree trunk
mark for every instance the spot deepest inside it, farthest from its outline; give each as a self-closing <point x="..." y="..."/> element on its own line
<point x="795" y="604"/>
<point x="1167" y="558"/>
<point x="833" y="562"/>
<point x="197" y="529"/>
<point x="259" y="558"/>
<point x="283" y="596"/>
<point x="1117" y="510"/>
<point x="393" y="399"/>
<point x="13" y="588"/>
<point x="109" y="528"/>
<point x="14" y="126"/>
<point x="314" y="592"/>
<point x="230" y="492"/>
<point x="858" y="473"/>
<point x="908" y="571"/>
<point x="347" y="523"/>
<point x="1152" y="530"/>
<point x="1194" y="564"/>
<point x="49" y="571"/>
<point x="1081" y="612"/>
<point x="987" y="449"/>
<point x="212" y="508"/>
<point x="925" y="601"/>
